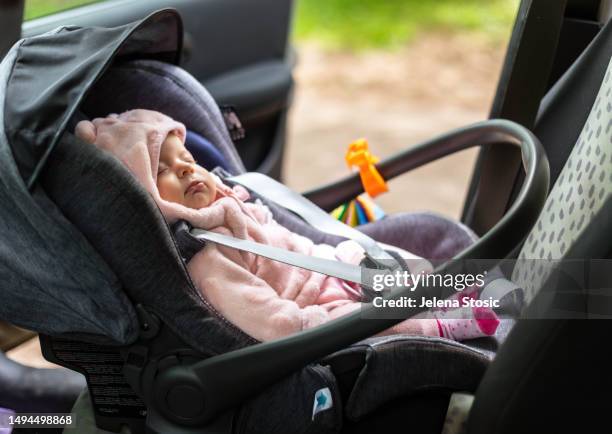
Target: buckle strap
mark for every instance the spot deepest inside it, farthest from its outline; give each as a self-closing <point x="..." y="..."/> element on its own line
<point x="286" y="198"/>
<point x="341" y="270"/>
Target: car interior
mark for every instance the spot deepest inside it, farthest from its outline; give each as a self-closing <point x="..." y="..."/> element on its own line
<point x="142" y="352"/>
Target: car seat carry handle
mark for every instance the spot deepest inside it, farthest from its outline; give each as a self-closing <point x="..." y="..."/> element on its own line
<point x="226" y="380"/>
<point x="485" y="133"/>
<point x="341" y="270"/>
<point x="280" y="194"/>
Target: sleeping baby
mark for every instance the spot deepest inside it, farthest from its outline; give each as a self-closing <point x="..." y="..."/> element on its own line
<point x="264" y="298"/>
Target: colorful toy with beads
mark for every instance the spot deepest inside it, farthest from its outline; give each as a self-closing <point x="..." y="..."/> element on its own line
<point x="362" y="209"/>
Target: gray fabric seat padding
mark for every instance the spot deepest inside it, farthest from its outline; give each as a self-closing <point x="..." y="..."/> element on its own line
<point x="399" y="366"/>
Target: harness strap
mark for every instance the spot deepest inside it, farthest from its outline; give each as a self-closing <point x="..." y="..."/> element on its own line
<point x="341" y="270"/>
<point x="497" y="289"/>
<point x="286" y="198"/>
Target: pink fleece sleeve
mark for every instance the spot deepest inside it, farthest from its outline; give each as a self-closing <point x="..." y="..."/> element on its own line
<point x="246" y="300"/>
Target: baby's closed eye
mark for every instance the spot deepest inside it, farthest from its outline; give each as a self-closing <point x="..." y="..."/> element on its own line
<point x="186" y="156"/>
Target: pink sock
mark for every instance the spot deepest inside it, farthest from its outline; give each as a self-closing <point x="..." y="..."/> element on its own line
<point x="466" y="323"/>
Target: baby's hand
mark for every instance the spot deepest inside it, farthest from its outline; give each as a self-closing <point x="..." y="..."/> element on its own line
<point x="308" y="294"/>
<point x="85" y="130"/>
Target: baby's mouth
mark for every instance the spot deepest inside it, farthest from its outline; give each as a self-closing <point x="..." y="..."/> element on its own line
<point x="195" y="186"/>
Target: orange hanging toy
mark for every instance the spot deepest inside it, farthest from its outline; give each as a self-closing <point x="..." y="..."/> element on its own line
<point x="362" y="209"/>
<point x="359" y="155"/>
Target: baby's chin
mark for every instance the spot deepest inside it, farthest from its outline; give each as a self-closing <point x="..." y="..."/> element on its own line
<point x="199" y="201"/>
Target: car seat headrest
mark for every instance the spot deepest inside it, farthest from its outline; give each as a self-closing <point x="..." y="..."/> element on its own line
<point x="168" y="89"/>
<point x="204" y="152"/>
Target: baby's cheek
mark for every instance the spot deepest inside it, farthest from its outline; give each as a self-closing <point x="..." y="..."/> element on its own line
<point x="169" y="192"/>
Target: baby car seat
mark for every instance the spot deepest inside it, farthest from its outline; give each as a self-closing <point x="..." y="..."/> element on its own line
<point x="105" y="277"/>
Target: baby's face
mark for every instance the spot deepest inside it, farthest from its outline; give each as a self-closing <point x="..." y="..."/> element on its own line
<point x="180" y="179"/>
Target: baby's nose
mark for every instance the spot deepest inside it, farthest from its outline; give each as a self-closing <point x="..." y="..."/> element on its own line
<point x="186" y="169"/>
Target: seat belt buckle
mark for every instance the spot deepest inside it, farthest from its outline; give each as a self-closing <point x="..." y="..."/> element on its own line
<point x="370" y="264"/>
<point x="391" y="264"/>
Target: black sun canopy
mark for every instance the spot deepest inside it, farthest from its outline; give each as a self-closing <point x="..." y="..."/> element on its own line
<point x="49" y="75"/>
<point x="51" y="278"/>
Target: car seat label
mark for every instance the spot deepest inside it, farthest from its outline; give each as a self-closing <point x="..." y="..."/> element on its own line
<point x="322" y="401"/>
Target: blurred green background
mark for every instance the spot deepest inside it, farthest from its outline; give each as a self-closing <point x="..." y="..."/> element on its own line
<point x="359" y="24"/>
<point x="39" y="8"/>
<point x="365" y="24"/>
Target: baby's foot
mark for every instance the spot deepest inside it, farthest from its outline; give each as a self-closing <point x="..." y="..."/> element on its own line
<point x="466" y="323"/>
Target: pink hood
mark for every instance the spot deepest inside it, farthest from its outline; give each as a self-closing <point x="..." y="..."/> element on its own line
<point x="135" y="137"/>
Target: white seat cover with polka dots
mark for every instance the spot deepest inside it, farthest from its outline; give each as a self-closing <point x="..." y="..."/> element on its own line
<point x="583" y="186"/>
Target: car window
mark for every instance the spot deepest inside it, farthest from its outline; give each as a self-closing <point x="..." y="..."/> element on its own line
<point x="40" y="8"/>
